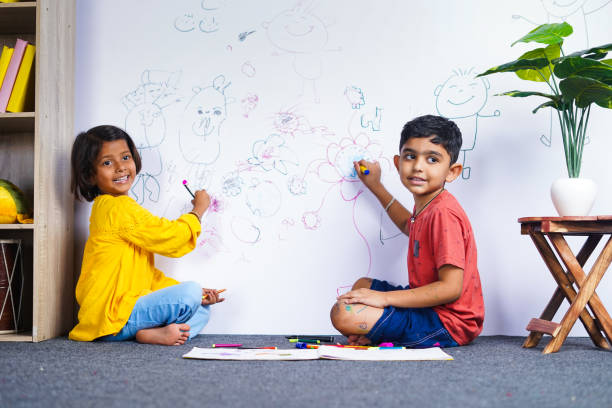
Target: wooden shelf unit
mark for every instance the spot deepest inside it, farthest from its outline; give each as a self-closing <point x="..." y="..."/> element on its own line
<point x="35" y="155"/>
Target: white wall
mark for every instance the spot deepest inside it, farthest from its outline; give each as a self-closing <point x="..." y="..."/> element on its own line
<point x="288" y="229"/>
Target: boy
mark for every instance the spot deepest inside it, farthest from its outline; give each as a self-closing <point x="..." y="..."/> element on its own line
<point x="443" y="304"/>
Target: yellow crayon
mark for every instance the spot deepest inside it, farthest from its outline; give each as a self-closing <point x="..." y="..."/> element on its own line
<point x="364" y="169"/>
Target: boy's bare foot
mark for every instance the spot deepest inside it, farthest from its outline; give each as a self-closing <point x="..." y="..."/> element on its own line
<point x="358" y="340"/>
<point x="171" y="335"/>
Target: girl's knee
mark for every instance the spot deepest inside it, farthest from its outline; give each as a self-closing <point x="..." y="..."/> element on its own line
<point x="192" y="291"/>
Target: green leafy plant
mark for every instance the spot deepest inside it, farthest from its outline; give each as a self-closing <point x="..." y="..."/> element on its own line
<point x="576" y="81"/>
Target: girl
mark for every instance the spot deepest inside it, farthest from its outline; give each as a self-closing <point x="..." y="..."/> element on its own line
<point x="121" y="294"/>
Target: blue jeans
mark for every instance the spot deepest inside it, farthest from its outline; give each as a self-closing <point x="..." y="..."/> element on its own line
<point x="410" y="327"/>
<point x="180" y="303"/>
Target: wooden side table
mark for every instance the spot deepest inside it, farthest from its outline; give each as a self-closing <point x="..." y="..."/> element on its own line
<point x="573" y="284"/>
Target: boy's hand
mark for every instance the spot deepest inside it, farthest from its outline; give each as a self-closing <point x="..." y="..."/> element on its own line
<point x="200" y="202"/>
<point x="210" y="297"/>
<point x="372" y="179"/>
<point x="365" y="296"/>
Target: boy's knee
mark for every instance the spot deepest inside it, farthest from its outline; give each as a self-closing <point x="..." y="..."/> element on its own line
<point x="362" y="283"/>
<point x="341" y="318"/>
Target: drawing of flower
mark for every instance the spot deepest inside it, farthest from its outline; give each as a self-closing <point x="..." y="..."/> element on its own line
<point x="339" y="168"/>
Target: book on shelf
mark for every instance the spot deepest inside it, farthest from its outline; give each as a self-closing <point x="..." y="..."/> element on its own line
<point x="23" y="91"/>
<point x="5" y="58"/>
<point x="11" y="73"/>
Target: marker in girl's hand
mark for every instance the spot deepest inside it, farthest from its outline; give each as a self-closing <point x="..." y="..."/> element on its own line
<point x="219" y="291"/>
<point x="185" y="185"/>
<point x="364" y="169"/>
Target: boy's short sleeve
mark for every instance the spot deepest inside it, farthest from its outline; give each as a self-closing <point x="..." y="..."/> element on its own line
<point x="448" y="241"/>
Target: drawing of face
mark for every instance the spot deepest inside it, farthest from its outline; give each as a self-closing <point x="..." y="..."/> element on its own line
<point x="297" y="30"/>
<point x="208" y="24"/>
<point x="206" y="111"/>
<point x="562" y="8"/>
<point x="201" y="121"/>
<point x="461" y="95"/>
<point x="185" y="23"/>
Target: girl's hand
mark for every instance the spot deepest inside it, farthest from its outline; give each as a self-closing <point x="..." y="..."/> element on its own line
<point x="365" y="296"/>
<point x="210" y="297"/>
<point x="200" y="202"/>
<point x="372" y="179"/>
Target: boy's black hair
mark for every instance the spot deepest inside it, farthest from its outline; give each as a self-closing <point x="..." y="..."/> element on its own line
<point x="445" y="132"/>
<point x="85" y="151"/>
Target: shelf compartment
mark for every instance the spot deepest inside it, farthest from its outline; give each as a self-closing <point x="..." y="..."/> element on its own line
<point x="18" y="18"/>
<point x="22" y="122"/>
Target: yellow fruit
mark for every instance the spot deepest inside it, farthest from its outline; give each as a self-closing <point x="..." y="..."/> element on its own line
<point x="13" y="205"/>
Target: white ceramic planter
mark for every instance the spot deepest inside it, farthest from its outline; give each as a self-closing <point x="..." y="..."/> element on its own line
<point x="573" y="196"/>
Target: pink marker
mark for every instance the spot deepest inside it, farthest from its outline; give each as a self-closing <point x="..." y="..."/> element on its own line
<point x="227" y="345"/>
<point x="185" y="185"/>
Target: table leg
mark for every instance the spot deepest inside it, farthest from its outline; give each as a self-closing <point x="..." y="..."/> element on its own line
<point x="566" y="287"/>
<point x="574" y="267"/>
<point x="549" y="312"/>
<point x="584" y="295"/>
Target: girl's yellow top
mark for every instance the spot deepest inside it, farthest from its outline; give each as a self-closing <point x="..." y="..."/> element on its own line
<point x="119" y="264"/>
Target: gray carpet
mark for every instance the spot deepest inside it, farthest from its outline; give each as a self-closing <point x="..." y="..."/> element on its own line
<point x="493" y="371"/>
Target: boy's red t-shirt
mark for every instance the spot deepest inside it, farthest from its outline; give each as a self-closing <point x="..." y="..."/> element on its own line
<point x="442" y="235"/>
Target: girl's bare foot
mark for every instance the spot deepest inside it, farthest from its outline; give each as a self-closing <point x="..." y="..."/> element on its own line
<point x="171" y="335"/>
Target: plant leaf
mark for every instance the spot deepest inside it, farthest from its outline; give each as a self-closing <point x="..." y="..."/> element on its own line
<point x="585" y="91"/>
<point x="607" y="62"/>
<point x="577" y="66"/>
<point x="534" y="64"/>
<point x="540" y="75"/>
<point x="596" y="53"/>
<point x="547" y="34"/>
<point x="551" y="104"/>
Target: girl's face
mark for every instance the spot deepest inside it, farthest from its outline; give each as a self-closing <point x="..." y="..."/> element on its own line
<point x="115" y="168"/>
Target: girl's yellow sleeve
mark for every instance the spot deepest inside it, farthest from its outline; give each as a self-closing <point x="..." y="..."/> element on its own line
<point x="155" y="234"/>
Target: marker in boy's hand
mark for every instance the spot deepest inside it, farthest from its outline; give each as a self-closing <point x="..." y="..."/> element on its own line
<point x="368" y="172"/>
<point x="211" y="296"/>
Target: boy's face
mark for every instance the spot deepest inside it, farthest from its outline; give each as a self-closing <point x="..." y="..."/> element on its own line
<point x="424" y="167"/>
<point x="115" y="168"/>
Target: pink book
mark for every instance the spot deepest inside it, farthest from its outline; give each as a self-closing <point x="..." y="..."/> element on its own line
<point x="11" y="73"/>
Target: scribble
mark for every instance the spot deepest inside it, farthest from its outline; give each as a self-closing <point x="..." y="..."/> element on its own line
<point x="249" y="103"/>
<point x="273" y="154"/>
<point x="248" y="69"/>
<point x="355" y="96"/>
<point x="244" y="230"/>
<point x="242" y="36"/>
<point x="263" y="198"/>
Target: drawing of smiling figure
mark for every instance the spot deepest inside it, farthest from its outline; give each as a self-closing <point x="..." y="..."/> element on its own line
<point x="461" y="98"/>
<point x="304" y="35"/>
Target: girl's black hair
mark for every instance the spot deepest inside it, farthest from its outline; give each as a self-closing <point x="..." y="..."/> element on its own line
<point x="445" y="132"/>
<point x="85" y="150"/>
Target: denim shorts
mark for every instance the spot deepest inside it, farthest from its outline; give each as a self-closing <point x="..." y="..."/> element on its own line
<point x="409" y="327"/>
